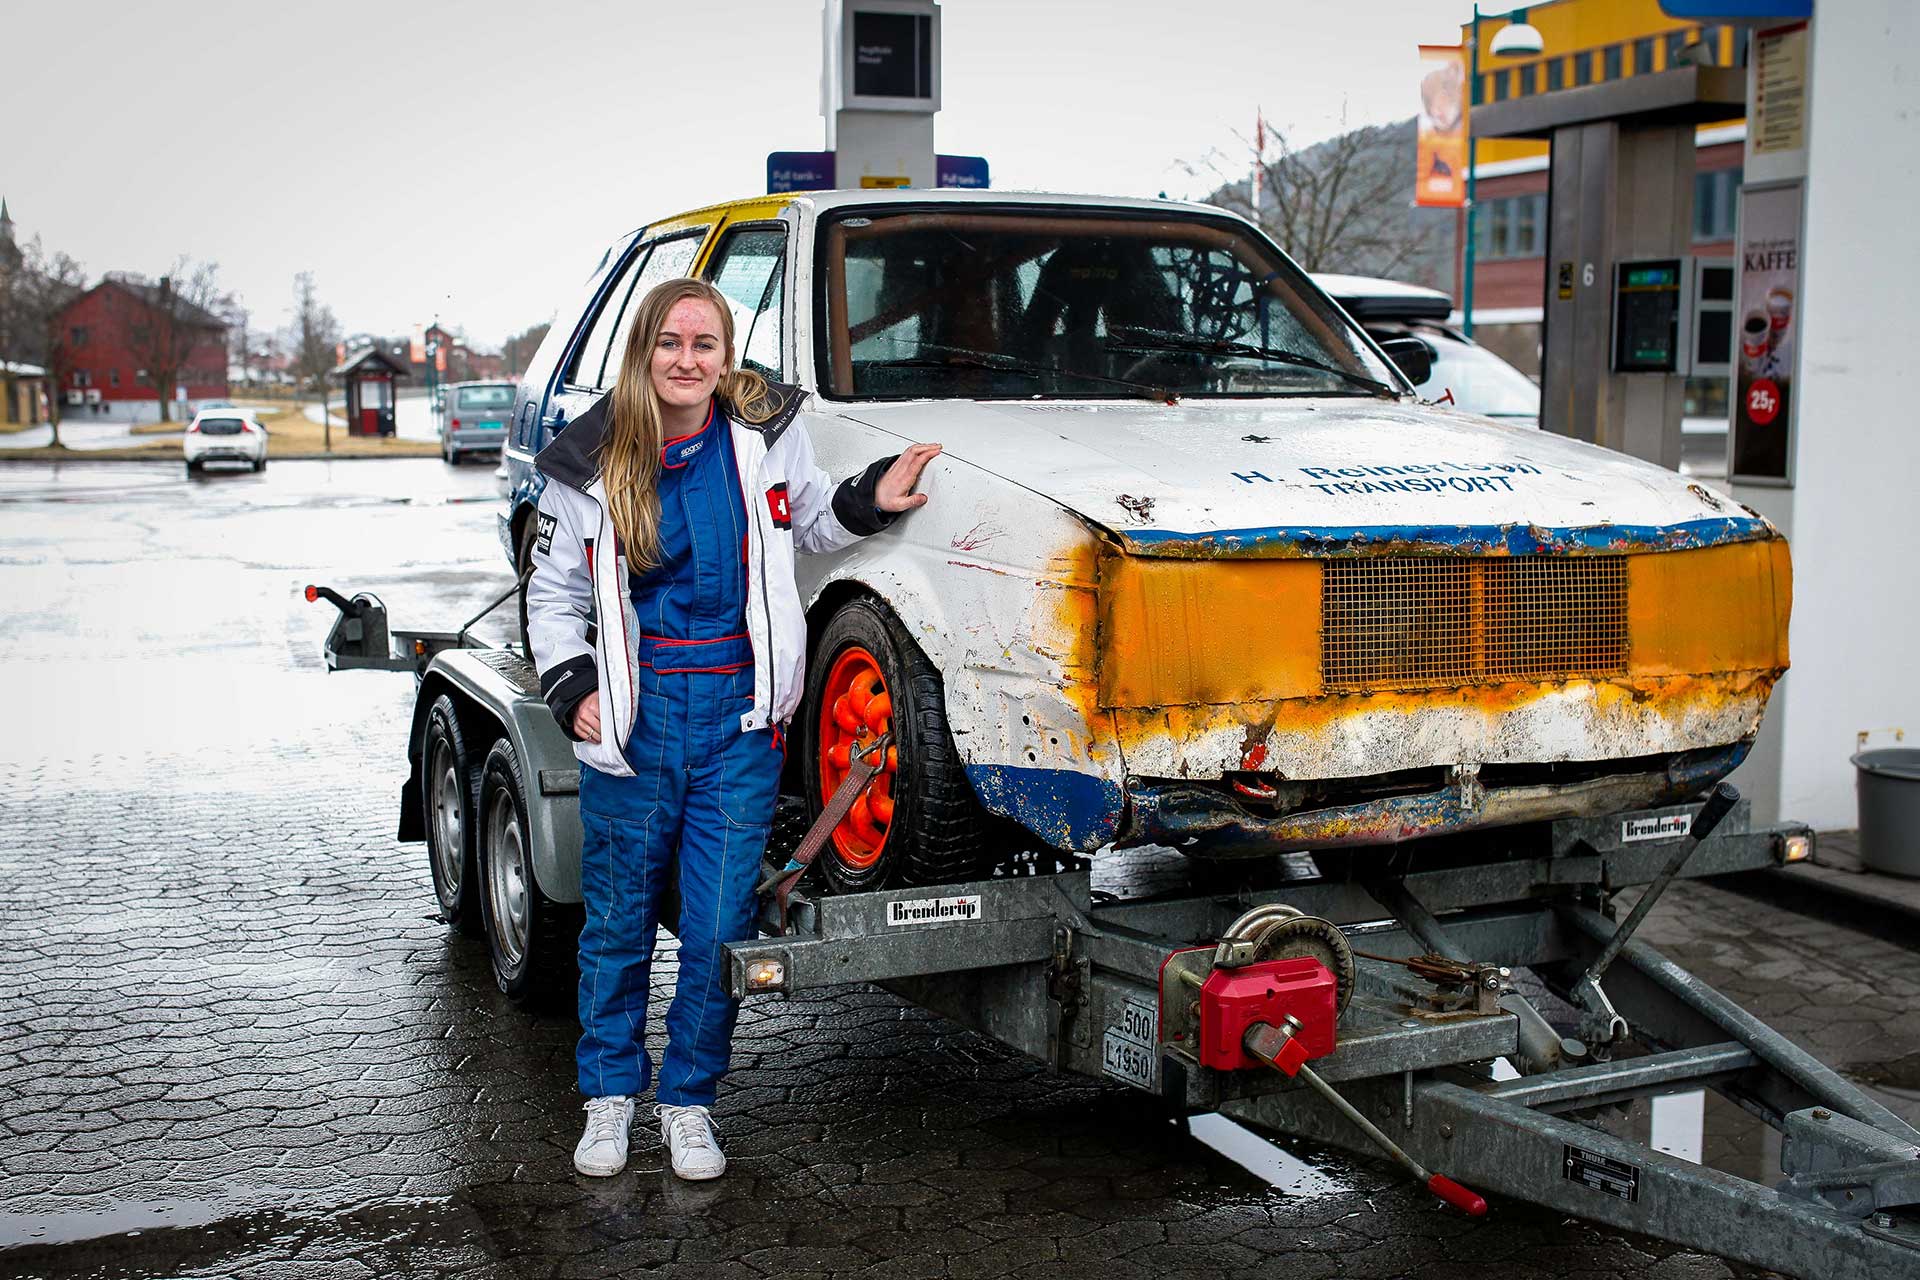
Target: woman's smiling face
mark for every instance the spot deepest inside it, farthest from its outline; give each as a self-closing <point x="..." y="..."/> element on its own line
<point x="689" y="355"/>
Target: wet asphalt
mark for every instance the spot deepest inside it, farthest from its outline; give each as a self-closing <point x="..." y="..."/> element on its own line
<point x="234" y="1040"/>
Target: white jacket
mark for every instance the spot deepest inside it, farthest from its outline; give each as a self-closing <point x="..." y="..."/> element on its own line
<point x="792" y="505"/>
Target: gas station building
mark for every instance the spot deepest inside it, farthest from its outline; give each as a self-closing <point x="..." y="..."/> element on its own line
<point x="1586" y="42"/>
<point x="1701" y="208"/>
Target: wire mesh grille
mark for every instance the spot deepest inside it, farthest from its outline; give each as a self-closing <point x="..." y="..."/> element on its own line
<point x="1439" y="623"/>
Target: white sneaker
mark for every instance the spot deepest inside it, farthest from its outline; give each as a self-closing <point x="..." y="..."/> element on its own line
<point x="692" y="1141"/>
<point x="602" y="1151"/>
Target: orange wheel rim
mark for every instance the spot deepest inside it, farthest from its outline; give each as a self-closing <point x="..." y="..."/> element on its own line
<point x="855" y="708"/>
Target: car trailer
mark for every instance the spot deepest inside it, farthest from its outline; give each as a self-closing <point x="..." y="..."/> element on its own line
<point x="1360" y="1000"/>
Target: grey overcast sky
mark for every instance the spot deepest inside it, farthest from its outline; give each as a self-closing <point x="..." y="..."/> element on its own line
<point x="468" y="160"/>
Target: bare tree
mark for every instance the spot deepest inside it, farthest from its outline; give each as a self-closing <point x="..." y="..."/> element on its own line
<point x="315" y="332"/>
<point x="518" y="353"/>
<point x="13" y="292"/>
<point x="168" y="323"/>
<point x="45" y="283"/>
<point x="239" y="337"/>
<point x="1340" y="205"/>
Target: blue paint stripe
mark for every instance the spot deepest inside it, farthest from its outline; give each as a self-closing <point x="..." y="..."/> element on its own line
<point x="1501" y="539"/>
<point x="1068" y="810"/>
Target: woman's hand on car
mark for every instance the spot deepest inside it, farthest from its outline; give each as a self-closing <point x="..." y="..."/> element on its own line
<point x="895" y="492"/>
<point x="586" y="718"/>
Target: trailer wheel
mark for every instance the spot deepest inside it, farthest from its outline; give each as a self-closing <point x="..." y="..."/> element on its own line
<point x="449" y="783"/>
<point x="919" y="822"/>
<point x="534" y="942"/>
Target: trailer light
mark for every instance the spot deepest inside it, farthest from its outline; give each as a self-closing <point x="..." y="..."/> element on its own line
<point x="419" y="648"/>
<point x="312" y="594"/>
<point x="766" y="975"/>
<point x="1796" y="848"/>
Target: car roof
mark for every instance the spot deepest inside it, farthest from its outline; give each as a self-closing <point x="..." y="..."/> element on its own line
<point x="770" y="206"/>
<point x="1372" y="298"/>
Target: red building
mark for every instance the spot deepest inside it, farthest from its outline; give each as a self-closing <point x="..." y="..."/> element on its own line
<point x="121" y="334"/>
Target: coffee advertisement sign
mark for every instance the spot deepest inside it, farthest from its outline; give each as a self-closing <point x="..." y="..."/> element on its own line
<point x="1766" y="326"/>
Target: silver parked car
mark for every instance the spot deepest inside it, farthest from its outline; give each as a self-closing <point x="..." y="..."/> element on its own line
<point x="473" y="418"/>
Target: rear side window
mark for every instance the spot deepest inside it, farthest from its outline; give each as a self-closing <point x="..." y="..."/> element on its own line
<point x="750" y="269"/>
<point x="671" y="259"/>
<point x="475" y="399"/>
<point x="591" y="354"/>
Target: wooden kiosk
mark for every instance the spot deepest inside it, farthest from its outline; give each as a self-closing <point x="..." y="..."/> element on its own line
<point x="369" y="376"/>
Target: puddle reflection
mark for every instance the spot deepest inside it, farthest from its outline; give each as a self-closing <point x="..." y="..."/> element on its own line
<point x="1265" y="1159"/>
<point x="1677" y="1124"/>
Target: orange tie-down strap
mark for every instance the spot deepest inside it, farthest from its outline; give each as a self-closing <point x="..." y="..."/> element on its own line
<point x="865" y="764"/>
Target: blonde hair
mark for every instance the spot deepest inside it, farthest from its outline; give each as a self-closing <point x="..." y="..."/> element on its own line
<point x="630" y="449"/>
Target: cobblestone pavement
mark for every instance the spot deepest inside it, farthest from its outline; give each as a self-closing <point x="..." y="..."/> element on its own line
<point x="233" y="1040"/>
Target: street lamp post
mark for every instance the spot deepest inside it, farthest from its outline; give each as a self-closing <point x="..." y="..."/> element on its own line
<point x="1473" y="163"/>
<point x="1517" y="39"/>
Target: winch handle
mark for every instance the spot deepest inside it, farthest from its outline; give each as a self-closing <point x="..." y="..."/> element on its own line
<point x="1270" y="1044"/>
<point x="1458" y="1196"/>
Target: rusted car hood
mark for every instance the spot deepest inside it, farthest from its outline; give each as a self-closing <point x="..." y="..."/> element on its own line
<point x="1305" y="477"/>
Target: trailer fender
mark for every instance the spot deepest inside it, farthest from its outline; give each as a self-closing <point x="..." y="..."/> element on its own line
<point x="497" y="694"/>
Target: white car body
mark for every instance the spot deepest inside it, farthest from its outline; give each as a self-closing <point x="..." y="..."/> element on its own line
<point x="224" y="435"/>
<point x="1138" y="608"/>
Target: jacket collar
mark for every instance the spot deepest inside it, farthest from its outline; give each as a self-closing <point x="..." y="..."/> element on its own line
<point x="573" y="456"/>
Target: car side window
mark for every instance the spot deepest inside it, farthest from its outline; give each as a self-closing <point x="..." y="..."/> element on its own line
<point x="591" y="355"/>
<point x="749" y="267"/>
<point x="671" y="259"/>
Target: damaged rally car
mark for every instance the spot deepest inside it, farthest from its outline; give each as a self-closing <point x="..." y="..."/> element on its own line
<point x="1199" y="568"/>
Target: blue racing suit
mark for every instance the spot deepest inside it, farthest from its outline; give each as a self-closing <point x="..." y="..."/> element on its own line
<point x="701" y="788"/>
<point x="697" y="663"/>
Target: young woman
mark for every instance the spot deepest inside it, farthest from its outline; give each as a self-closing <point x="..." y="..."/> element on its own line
<point x="671" y="515"/>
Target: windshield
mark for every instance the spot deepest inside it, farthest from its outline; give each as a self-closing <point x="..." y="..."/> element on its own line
<point x="984" y="303"/>
<point x="474" y="398"/>
<point x="1481" y="381"/>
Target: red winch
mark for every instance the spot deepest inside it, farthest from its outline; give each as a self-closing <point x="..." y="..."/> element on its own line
<point x="1238" y="1003"/>
<point x="1269" y="994"/>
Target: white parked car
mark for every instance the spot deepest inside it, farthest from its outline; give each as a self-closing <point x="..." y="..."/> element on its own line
<point x="1199" y="568"/>
<point x="1464" y="373"/>
<point x="225" y="435"/>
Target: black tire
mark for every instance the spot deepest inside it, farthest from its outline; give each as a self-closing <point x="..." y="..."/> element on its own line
<point x="259" y="465"/>
<point x="523" y="569"/>
<point x="533" y="941"/>
<point x="939" y="834"/>
<point x="193" y="469"/>
<point x="449" y="790"/>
